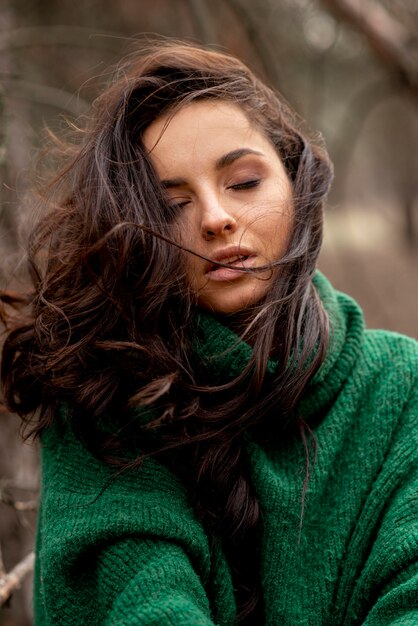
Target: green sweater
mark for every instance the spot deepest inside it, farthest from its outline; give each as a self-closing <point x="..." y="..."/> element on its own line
<point x="133" y="553"/>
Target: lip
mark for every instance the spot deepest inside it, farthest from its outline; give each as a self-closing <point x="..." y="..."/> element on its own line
<point x="225" y="273"/>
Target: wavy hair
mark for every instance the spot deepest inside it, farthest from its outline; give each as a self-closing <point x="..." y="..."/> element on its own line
<point x="109" y="322"/>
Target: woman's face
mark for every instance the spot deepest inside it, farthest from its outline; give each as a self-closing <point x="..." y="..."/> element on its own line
<point x="233" y="195"/>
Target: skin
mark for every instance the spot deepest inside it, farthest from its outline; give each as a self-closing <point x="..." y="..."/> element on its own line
<point x="233" y="196"/>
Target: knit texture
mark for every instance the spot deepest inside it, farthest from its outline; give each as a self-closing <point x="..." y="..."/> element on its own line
<point x="127" y="549"/>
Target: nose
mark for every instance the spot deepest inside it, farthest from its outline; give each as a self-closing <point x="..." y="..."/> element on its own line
<point x="216" y="221"/>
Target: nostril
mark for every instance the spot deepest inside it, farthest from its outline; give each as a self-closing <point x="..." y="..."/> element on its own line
<point x="208" y="234"/>
<point x="217" y="229"/>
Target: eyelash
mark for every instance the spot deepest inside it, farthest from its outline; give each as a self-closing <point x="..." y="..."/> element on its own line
<point x="176" y="206"/>
<point x="248" y="184"/>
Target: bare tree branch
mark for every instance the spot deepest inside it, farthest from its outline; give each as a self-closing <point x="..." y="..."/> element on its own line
<point x="13" y="580"/>
<point x="202" y="18"/>
<point x="2" y="570"/>
<point x="258" y="41"/>
<point x="10" y="483"/>
<point x="43" y="94"/>
<point x="59" y="36"/>
<point x="19" y="505"/>
<point x="388" y="38"/>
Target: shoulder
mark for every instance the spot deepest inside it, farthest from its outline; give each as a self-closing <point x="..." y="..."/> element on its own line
<point x="131" y="537"/>
<point x="384" y="379"/>
<point x="354" y="346"/>
<point x="368" y="375"/>
<point x="400" y="349"/>
<point x="390" y="359"/>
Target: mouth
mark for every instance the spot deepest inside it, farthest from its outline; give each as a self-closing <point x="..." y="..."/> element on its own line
<point x="235" y="258"/>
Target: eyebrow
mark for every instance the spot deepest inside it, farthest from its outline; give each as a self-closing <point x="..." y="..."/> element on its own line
<point x="221" y="163"/>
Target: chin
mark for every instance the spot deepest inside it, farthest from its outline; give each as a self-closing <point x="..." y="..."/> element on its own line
<point x="228" y="302"/>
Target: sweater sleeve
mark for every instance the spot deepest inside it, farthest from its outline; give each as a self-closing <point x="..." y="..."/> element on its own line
<point x="394" y="562"/>
<point x="121" y="549"/>
<point x="151" y="583"/>
<point x="390" y="577"/>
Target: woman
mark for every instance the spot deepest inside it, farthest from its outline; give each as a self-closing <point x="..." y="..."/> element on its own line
<point x="222" y="440"/>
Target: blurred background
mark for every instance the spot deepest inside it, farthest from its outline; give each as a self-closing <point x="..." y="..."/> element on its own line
<point x="349" y="67"/>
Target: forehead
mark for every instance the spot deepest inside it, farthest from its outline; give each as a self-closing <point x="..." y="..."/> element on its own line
<point x="211" y="127"/>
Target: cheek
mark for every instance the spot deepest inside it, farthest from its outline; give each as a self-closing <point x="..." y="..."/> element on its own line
<point x="194" y="268"/>
<point x="180" y="233"/>
<point x="184" y="233"/>
<point x="274" y="225"/>
<point x="183" y="229"/>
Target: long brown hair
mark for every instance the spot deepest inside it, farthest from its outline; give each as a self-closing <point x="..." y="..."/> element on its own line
<point x="109" y="323"/>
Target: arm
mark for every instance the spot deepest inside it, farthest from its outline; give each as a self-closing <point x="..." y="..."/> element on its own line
<point x="151" y="583"/>
<point x="390" y="577"/>
<point x="394" y="561"/>
<point x="121" y="549"/>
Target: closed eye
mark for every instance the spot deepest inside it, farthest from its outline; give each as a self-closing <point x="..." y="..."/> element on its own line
<point x="248" y="184"/>
<point x="179" y="205"/>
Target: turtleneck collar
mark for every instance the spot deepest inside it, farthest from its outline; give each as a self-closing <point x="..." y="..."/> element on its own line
<point x="225" y="355"/>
